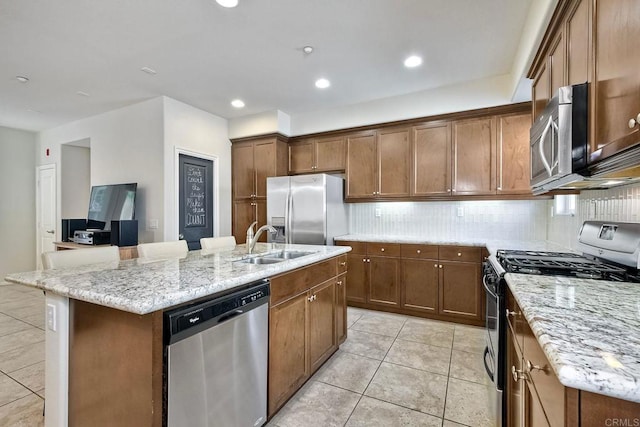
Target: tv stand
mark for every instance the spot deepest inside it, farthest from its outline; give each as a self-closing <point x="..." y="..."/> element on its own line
<point x="126" y="252"/>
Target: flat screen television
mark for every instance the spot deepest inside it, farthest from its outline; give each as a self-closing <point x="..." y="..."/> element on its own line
<point x="111" y="203"/>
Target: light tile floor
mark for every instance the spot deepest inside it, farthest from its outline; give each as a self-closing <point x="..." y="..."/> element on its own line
<point x="397" y="370"/>
<point x="21" y="356"/>
<point x="393" y="370"/>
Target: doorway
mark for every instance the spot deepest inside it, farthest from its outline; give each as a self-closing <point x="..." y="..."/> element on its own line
<point x="45" y="210"/>
<point x="195" y="199"/>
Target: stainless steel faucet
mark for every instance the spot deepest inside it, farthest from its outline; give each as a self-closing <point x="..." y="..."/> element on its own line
<point x="251" y="241"/>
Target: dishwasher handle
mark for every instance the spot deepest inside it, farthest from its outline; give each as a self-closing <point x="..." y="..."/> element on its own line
<point x="191" y="319"/>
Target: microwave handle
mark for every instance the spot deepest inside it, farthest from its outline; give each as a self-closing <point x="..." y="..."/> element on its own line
<point x="545" y="163"/>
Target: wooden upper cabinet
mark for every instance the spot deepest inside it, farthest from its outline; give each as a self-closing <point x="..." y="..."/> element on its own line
<point x="431" y="155"/>
<point x="514" y="169"/>
<point x="330" y="154"/>
<point x="394" y="157"/>
<point x="265" y="164"/>
<point x="557" y="64"/>
<point x="541" y="90"/>
<point x="301" y="156"/>
<point x="244" y="175"/>
<point x="317" y="155"/>
<point x="577" y="31"/>
<point x="616" y="76"/>
<point x="361" y="166"/>
<point x="474" y="157"/>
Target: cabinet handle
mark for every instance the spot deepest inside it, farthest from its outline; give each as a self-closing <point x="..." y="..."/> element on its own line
<point x="517" y="375"/>
<point x="440" y="266"/>
<point x="381" y="249"/>
<point x="339" y="283"/>
<point x="459" y="253"/>
<point x="364" y="260"/>
<point x="435" y="265"/>
<point x="531" y="367"/>
<point x="310" y="299"/>
<point x="343" y="263"/>
<point x="638" y="118"/>
<point x="510" y="313"/>
<point x="418" y="251"/>
<point x="632" y="123"/>
<point x="368" y="259"/>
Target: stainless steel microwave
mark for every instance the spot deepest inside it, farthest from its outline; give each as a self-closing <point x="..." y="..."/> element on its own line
<point x="559" y="143"/>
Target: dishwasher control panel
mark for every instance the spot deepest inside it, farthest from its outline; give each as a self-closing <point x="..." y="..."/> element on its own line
<point x="193" y="318"/>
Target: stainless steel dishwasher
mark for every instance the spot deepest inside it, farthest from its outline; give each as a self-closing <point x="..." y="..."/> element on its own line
<point x="217" y="360"/>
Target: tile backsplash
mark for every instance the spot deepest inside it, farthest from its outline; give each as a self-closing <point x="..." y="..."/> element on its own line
<point x="519" y="219"/>
<point x="620" y="204"/>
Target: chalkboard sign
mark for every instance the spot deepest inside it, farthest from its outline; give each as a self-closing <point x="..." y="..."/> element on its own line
<point x="195" y="213"/>
<point x="195" y="199"/>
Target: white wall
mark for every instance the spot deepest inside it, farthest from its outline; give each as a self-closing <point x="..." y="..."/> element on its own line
<point x="260" y="124"/>
<point x="197" y="131"/>
<point x="621" y="204"/>
<point x="75" y="181"/>
<point x="517" y="220"/>
<point x="18" y="201"/>
<point x="126" y="146"/>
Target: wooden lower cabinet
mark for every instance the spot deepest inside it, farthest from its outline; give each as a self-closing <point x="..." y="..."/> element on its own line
<point x="303" y="328"/>
<point x="357" y="288"/>
<point x="420" y="283"/>
<point x="460" y="293"/>
<point x="384" y="281"/>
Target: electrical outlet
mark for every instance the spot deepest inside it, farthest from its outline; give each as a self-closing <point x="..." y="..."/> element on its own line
<point x="460" y="211"/>
<point x="51" y="317"/>
<point x="378" y="212"/>
<point x="153" y="224"/>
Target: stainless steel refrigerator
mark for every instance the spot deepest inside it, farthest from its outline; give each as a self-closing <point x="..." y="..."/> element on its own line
<point x="306" y="209"/>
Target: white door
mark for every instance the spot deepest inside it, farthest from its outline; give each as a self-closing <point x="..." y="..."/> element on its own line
<point x="45" y="210"/>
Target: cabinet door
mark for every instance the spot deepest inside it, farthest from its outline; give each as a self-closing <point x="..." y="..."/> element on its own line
<point x="357" y="278"/>
<point x="260" y="209"/>
<point x="394" y="154"/>
<point x="244" y="213"/>
<point x="361" y="166"/>
<point x="301" y="157"/>
<point x="287" y="350"/>
<point x="577" y="31"/>
<point x="514" y="387"/>
<point x="431" y="160"/>
<point x="514" y="169"/>
<point x="557" y="64"/>
<point x="384" y="280"/>
<point x="265" y="165"/>
<point x="534" y="415"/>
<point x="461" y="290"/>
<point x="330" y="154"/>
<point x="243" y="171"/>
<point x="617" y="79"/>
<point x="341" y="308"/>
<point x="420" y="285"/>
<point x="322" y="328"/>
<point x="474" y="157"/>
<point x="540" y="90"/>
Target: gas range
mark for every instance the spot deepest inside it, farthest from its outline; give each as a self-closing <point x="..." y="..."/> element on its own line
<point x="564" y="264"/>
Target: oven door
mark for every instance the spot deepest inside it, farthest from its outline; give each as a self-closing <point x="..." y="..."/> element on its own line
<point x="492" y="330"/>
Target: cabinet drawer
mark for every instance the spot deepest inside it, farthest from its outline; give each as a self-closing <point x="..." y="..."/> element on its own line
<point x="545" y="383"/>
<point x="419" y="251"/>
<point x="383" y="249"/>
<point x="356" y="247"/>
<point x="290" y="284"/>
<point x="461" y="253"/>
<point x="342" y="264"/>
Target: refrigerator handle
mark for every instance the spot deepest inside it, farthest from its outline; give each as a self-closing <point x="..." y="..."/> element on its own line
<point x="288" y="218"/>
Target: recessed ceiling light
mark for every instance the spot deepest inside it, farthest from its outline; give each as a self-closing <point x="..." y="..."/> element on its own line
<point x="412" y="61"/>
<point x="22" y="79"/>
<point x="237" y="103"/>
<point x="322" y="83"/>
<point x="81" y="93"/>
<point x="149" y="70"/>
<point x="307" y="49"/>
<point x="227" y="3"/>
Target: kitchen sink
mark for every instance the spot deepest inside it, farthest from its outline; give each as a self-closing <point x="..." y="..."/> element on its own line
<point x="282" y="255"/>
<point x="261" y="260"/>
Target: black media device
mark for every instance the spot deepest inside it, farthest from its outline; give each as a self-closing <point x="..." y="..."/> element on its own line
<point x="69" y="226"/>
<point x="124" y="232"/>
<point x="108" y="203"/>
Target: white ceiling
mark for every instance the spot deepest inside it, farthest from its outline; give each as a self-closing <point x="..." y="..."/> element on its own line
<point x="206" y="55"/>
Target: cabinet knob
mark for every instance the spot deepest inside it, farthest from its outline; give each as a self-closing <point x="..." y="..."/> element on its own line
<point x="418" y="251"/>
<point x="440" y="266"/>
<point x="632" y="123"/>
<point x="310" y="299"/>
<point x="381" y="249"/>
<point x="435" y="265"/>
<point x="339" y="283"/>
<point x="510" y="313"/>
<point x="532" y="367"/>
<point x="459" y="253"/>
<point x="364" y="260"/>
<point x="343" y="263"/>
<point x="517" y="375"/>
<point x="368" y="259"/>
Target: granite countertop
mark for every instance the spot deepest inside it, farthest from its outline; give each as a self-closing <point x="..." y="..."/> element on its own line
<point x="143" y="286"/>
<point x="588" y="329"/>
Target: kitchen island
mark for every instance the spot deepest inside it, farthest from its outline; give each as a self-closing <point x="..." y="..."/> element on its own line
<point x="108" y="333"/>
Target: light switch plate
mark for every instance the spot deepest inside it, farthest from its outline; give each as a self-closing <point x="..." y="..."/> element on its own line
<point x="51" y="317"/>
<point x="378" y="212"/>
<point x="460" y="211"/>
<point x="153" y="224"/>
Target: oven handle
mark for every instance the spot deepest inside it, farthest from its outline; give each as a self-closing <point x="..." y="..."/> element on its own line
<point x="486" y="367"/>
<point x="486" y="288"/>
